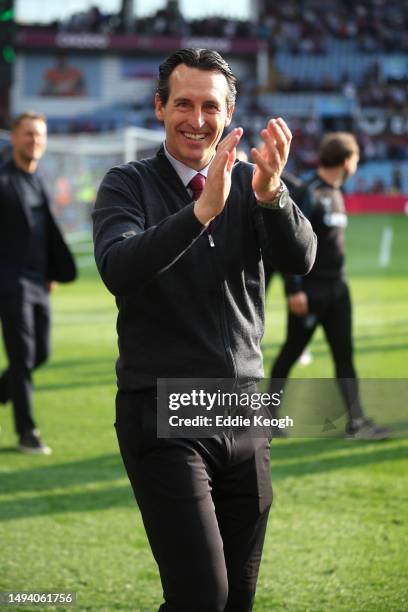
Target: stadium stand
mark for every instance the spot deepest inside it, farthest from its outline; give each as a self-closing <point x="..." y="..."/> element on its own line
<point x="342" y="68"/>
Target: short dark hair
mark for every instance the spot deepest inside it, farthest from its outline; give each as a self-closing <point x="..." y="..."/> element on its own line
<point x="27" y="115"/>
<point x="203" y="59"/>
<point x="336" y="147"/>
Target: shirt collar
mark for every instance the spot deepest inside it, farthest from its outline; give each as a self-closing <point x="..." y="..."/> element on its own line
<point x="184" y="172"/>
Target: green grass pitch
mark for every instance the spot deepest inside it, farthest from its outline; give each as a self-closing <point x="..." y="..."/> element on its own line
<point x="335" y="540"/>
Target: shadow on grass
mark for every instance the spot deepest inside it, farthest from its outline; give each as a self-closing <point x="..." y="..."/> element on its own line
<point x="84" y="501"/>
<point x="362" y="453"/>
<point x="77" y="373"/>
<point x="282" y="450"/>
<point x="78" y="384"/>
<point x="87" y="362"/>
<point x="61" y="475"/>
<point x="51" y="478"/>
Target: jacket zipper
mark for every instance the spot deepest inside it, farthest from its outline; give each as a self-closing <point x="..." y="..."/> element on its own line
<point x="224" y="326"/>
<point x="226" y="333"/>
<point x="209" y="234"/>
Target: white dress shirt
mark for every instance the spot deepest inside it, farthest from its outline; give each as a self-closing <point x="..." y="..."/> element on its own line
<point x="185" y="172"/>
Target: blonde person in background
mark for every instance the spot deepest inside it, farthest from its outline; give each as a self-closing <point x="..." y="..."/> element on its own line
<point x="33" y="254"/>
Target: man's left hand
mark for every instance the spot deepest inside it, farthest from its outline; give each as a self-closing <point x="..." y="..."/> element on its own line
<point x="271" y="159"/>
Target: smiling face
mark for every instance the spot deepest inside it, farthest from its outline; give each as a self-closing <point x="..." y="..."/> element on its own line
<point x="195" y="114"/>
<point x="29" y="140"/>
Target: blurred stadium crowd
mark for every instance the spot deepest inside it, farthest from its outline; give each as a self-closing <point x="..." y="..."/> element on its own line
<point x="298" y="26"/>
<point x="341" y="65"/>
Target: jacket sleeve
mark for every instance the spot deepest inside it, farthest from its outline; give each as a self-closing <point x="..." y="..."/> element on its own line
<point x="61" y="265"/>
<point x="127" y="253"/>
<point x="293" y="283"/>
<point x="287" y="238"/>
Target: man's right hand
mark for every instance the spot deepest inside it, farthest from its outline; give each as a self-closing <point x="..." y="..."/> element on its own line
<point x="298" y="304"/>
<point x="218" y="184"/>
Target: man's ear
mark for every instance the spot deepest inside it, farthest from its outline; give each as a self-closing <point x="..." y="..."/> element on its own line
<point x="230" y="112"/>
<point x="159" y="107"/>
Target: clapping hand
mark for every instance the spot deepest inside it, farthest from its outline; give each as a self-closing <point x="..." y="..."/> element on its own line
<point x="270" y="159"/>
<point x="218" y="184"/>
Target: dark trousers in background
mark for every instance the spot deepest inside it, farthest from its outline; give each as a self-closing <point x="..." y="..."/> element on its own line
<point x="204" y="504"/>
<point x="329" y="306"/>
<point x="25" y="320"/>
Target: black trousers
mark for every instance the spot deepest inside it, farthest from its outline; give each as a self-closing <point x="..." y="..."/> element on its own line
<point x="204" y="504"/>
<point x="25" y="319"/>
<point x="329" y="306"/>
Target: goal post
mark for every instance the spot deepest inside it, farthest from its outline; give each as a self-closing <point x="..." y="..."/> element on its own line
<point x="73" y="167"/>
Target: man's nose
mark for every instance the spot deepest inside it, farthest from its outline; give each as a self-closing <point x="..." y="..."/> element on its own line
<point x="196" y="118"/>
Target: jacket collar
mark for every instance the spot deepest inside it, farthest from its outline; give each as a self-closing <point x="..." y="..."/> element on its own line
<point x="170" y="175"/>
<point x="186" y="173"/>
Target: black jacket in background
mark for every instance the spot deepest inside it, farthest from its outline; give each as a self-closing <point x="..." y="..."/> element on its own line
<point x="323" y="205"/>
<point x="15" y="236"/>
<point x="187" y="309"/>
<point x="16" y="232"/>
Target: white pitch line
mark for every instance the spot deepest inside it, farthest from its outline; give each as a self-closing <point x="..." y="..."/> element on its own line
<point x="384" y="255"/>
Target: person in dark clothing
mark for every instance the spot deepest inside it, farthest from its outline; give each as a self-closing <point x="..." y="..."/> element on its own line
<point x="295" y="187"/>
<point x="180" y="240"/>
<point x="33" y="254"/>
<point x="323" y="296"/>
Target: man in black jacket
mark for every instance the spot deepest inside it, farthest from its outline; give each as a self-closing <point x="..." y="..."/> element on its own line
<point x="32" y="255"/>
<point x="179" y="240"/>
<point x="323" y="296"/>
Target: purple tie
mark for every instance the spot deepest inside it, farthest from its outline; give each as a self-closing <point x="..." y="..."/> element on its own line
<point x="197" y="185"/>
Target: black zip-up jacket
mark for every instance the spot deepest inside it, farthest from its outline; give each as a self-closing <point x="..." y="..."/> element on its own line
<point x="188" y="309"/>
<point x="16" y="230"/>
<point x="323" y="205"/>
